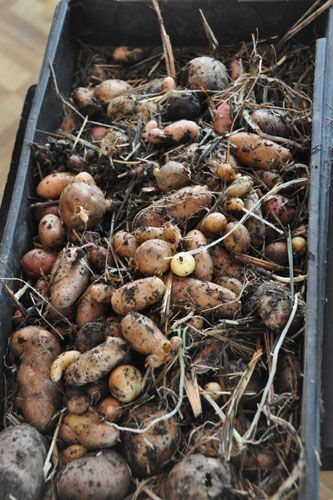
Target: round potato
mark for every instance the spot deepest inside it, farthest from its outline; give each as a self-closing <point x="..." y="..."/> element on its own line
<point x="38" y="262"/>
<point x="172" y="175"/>
<point x="153" y="257"/>
<point x="125" y="383"/>
<point x="51" y="232"/>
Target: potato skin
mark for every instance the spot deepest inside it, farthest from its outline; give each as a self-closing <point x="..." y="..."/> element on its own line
<point x="258" y="152"/>
<point x="22" y="455"/>
<point x="255" y="227"/>
<point x="147" y="452"/>
<point x="225" y="265"/>
<point x="239" y="240"/>
<point x="274" y="305"/>
<point x="99" y="435"/>
<point x="137" y="295"/>
<point x="51" y="232"/>
<point x="96" y="363"/>
<point x="19" y="339"/>
<point x="204" y="265"/>
<point x="142" y="333"/>
<point x="151" y="257"/>
<point x="77" y="196"/>
<point x="125" y="244"/>
<point x="88" y="309"/>
<point x="37" y="262"/>
<point x="172" y="175"/>
<point x="206" y="72"/>
<point x="105" y="476"/>
<point x="52" y="185"/>
<point x="40" y="395"/>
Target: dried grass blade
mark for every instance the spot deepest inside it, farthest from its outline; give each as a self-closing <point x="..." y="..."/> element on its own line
<point x="167" y="47"/>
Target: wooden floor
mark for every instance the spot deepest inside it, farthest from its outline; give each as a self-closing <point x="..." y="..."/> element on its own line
<point x="24" y="28"/>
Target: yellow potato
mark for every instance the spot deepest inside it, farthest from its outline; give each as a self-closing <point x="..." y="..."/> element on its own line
<point x="125" y="383"/>
<point x="213" y="224"/>
<point x="137" y="295"/>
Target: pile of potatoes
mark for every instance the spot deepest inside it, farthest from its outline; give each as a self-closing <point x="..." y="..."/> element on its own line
<point x="156" y="248"/>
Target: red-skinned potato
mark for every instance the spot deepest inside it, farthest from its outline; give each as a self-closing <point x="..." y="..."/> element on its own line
<point x="45" y="210"/>
<point x="238" y="241"/>
<point x="137" y="295"/>
<point x="280" y="207"/>
<point x="203" y="260"/>
<point x="99" y="257"/>
<point x="52" y="185"/>
<point x="153" y="257"/>
<point x="149" y="451"/>
<point x="51" y="233"/>
<point x="222" y="118"/>
<point x="175" y="133"/>
<point x="257" y="152"/>
<point x="38" y="262"/>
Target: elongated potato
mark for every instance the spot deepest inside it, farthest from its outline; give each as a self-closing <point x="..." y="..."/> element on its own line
<point x="52" y="185"/>
<point x="102" y="476"/>
<point x="273" y="305"/>
<point x="69" y="277"/>
<point x="22" y="456"/>
<point x="238" y="241"/>
<point x="40" y="395"/>
<point x="204" y="265"/>
<point x="88" y="309"/>
<point x="204" y="296"/>
<point x="99" y="435"/>
<point x="225" y="265"/>
<point x="257" y="152"/>
<point x="137" y="295"/>
<point x="94" y="364"/>
<point x="51" y="232"/>
<point x="255" y="227"/>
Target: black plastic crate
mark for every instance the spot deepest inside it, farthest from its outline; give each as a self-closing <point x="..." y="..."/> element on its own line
<point x="133" y="22"/>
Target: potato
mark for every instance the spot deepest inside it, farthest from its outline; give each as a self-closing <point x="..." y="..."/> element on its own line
<point x="200" y="477"/>
<point x="110" y="409"/>
<point x="269" y="178"/>
<point x="145" y="337"/>
<point x="173" y="175"/>
<point x="125" y="244"/>
<point x="203" y="260"/>
<point x="288" y="375"/>
<point x="82" y="205"/>
<point x="226" y="172"/>
<point x="232" y="284"/>
<point x="45" y="210"/>
<point x="153" y="257"/>
<point x="109" y="89"/>
<point x="125" y="383"/>
<point x="88" y="309"/>
<point x="175" y="133"/>
<point x="71" y="453"/>
<point x="281" y="208"/>
<point x="239" y="187"/>
<point x="277" y="252"/>
<point x="97" y="390"/>
<point x="96" y="363"/>
<point x="183" y="106"/>
<point x="101" y="292"/>
<point x="225" y="265"/>
<point x="183" y="264"/>
<point x="222" y="118"/>
<point x="206" y="72"/>
<point x="84" y="100"/>
<point x="145" y="233"/>
<point x="38" y="262"/>
<point x="105" y="476"/>
<point x="78" y="401"/>
<point x="299" y="245"/>
<point x="257" y="152"/>
<point x="233" y="205"/>
<point x="127" y="55"/>
<point x="137" y="295"/>
<point x="69" y="279"/>
<point x="255" y="227"/>
<point x="271" y="121"/>
<point x="72" y="425"/>
<point x="238" y="240"/>
<point x="149" y="451"/>
<point x="22" y="455"/>
<point x="21" y="337"/>
<point x="40" y="395"/>
<point x="100" y="257"/>
<point x="51" y="232"/>
<point x="274" y="305"/>
<point x="99" y="435"/>
<point x="52" y="185"/>
<point x="213" y="224"/>
<point x="203" y="296"/>
<point x="89" y="336"/>
<point x="172" y="234"/>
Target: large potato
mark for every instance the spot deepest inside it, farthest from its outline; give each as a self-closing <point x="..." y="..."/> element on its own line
<point x="257" y="152"/>
<point x="147" y="452"/>
<point x="137" y="295"/>
<point x="153" y="257"/>
<point x="94" y="364"/>
<point x="40" y="396"/>
<point x="22" y="455"/>
<point x="105" y="476"/>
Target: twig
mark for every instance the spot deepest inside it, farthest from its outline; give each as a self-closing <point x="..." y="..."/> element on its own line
<point x="213" y="43"/>
<point x="167" y="48"/>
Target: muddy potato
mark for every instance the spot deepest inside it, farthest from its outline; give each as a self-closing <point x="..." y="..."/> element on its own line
<point x="88" y="309"/>
<point x="198" y="477"/>
<point x="277" y="252"/>
<point x="233" y="205"/>
<point x="102" y="476"/>
<point x="52" y="185"/>
<point x="222" y="118"/>
<point x="255" y="227"/>
<point x="99" y="435"/>
<point x="232" y="284"/>
<point x="38" y="262"/>
<point x="153" y="257"/>
<point x="20" y="338"/>
<point x="71" y="453"/>
<point x="225" y="265"/>
<point x="110" y="409"/>
<point x="73" y="424"/>
<point x="137" y="295"/>
<point x="22" y="455"/>
<point x="100" y="257"/>
<point x="89" y="335"/>
<point x="82" y="205"/>
<point x="274" y="305"/>
<point x="149" y="451"/>
<point x="96" y="363"/>
<point x="78" y="401"/>
<point x="173" y="175"/>
<point x="102" y="292"/>
<point x="125" y="383"/>
<point x="213" y="224"/>
<point x="172" y="234"/>
<point x="271" y="121"/>
<point x="240" y="186"/>
<point x="204" y="265"/>
<point x="226" y="172"/>
<point x="125" y="244"/>
<point x="238" y="241"/>
<point x="109" y="89"/>
<point x="51" y="233"/>
<point x="145" y="233"/>
<point x="206" y="72"/>
<point x="97" y="390"/>
<point x="257" y="152"/>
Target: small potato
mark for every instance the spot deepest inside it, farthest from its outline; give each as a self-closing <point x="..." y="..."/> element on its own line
<point x="88" y="309"/>
<point x="299" y="245"/>
<point x="149" y="451"/>
<point x="238" y="240"/>
<point x="110" y="409"/>
<point x="281" y="208"/>
<point x="137" y="295"/>
<point x="78" y="402"/>
<point x="51" y="232"/>
<point x="73" y="424"/>
<point x="145" y="233"/>
<point x="181" y="131"/>
<point x="125" y="383"/>
<point x="52" y="185"/>
<point x="222" y="118"/>
<point x="71" y="453"/>
<point x="273" y="305"/>
<point x="226" y="172"/>
<point x="233" y="205"/>
<point x="270" y="178"/>
<point x="204" y="265"/>
<point x="239" y="187"/>
<point x="102" y="476"/>
<point x="102" y="292"/>
<point x="99" y="435"/>
<point x="97" y="390"/>
<point x="257" y="152"/>
<point x="45" y="210"/>
<point x="172" y="234"/>
<point x="96" y="363"/>
<point x="206" y="72"/>
<point x="100" y="257"/>
<point x="89" y="336"/>
<point x="255" y="227"/>
<point x="277" y="252"/>
<point x="213" y="389"/>
<point x="183" y="264"/>
<point x="173" y="175"/>
<point x="127" y="55"/>
<point x="125" y="244"/>
<point x="213" y="224"/>
<point x="38" y="262"/>
<point x="21" y="337"/>
<point x="109" y="89"/>
<point x="153" y="257"/>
